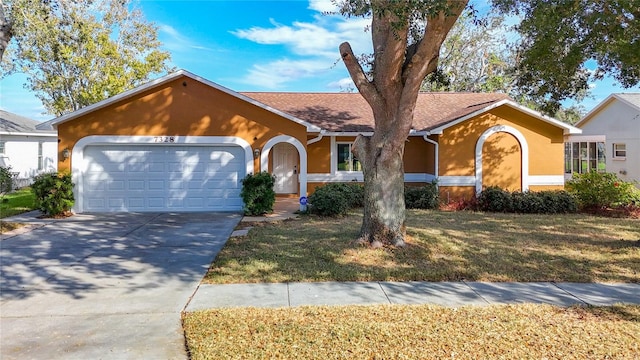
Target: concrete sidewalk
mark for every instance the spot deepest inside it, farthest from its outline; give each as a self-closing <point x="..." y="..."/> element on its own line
<point x="451" y="294"/>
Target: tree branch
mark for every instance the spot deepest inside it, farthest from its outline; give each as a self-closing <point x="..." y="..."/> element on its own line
<point x="358" y="76"/>
<point x="425" y="60"/>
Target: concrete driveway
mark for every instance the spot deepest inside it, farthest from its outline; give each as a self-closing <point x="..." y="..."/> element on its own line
<point x="105" y="286"/>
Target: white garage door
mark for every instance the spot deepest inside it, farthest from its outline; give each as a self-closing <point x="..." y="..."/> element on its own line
<point x="162" y="178"/>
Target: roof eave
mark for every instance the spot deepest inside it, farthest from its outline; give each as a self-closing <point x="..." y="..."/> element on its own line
<point x="567" y="129"/>
<point x="165" y="79"/>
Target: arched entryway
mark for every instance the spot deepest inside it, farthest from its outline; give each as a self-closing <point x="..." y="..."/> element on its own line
<point x="290" y="143"/>
<point x="502" y="162"/>
<point x="502" y="159"/>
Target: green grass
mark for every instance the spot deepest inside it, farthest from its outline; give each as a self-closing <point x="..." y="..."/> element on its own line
<point x="441" y="246"/>
<point x="415" y="332"/>
<point x="17" y="202"/>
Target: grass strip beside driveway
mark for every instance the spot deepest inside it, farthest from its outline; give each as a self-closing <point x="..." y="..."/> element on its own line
<point x="441" y="246"/>
<point x="415" y="332"/>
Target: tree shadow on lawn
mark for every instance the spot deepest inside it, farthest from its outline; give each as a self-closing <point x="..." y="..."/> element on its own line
<point x="441" y="246"/>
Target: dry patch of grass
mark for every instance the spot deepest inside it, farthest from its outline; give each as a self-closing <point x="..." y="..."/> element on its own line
<point x="442" y="246"/>
<point x="6" y="226"/>
<point x="415" y="332"/>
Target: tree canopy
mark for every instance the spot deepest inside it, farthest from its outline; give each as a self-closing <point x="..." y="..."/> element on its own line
<point x="76" y="53"/>
<point x="557" y="38"/>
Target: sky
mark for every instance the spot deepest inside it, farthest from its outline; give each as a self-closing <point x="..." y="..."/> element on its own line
<point x="253" y="45"/>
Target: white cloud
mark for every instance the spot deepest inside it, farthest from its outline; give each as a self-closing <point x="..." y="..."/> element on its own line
<point x="276" y="74"/>
<point x="174" y="41"/>
<point x="322" y="5"/>
<point x="315" y="44"/>
<point x="343" y="84"/>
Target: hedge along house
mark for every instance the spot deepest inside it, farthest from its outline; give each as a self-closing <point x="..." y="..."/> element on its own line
<point x="183" y="143"/>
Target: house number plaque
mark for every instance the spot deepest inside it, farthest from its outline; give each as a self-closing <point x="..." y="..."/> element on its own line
<point x="164" y="139"/>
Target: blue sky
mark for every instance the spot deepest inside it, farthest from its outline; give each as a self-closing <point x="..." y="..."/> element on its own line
<point x="252" y="45"/>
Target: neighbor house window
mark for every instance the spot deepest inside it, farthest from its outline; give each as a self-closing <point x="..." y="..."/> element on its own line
<point x="619" y="151"/>
<point x="40" y="160"/>
<point x="2" y="147"/>
<point x="346" y="159"/>
<point x="582" y="157"/>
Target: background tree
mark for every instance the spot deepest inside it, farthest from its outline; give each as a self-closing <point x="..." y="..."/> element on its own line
<point x="475" y="57"/>
<point x="557" y="38"/>
<point x="76" y="53"/>
<point x="478" y="56"/>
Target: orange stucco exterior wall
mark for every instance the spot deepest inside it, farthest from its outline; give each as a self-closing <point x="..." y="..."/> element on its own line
<point x="419" y="156"/>
<point x="319" y="154"/>
<point x="458" y="143"/>
<point x="179" y="108"/>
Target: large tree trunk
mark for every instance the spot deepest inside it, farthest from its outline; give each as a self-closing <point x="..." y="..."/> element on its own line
<point x="384" y="207"/>
<point x="397" y="72"/>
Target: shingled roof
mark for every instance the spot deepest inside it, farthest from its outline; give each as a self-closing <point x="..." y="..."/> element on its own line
<point x="13" y="123"/>
<point x="349" y="112"/>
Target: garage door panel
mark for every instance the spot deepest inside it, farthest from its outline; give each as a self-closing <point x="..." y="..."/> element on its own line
<point x="162" y="178"/>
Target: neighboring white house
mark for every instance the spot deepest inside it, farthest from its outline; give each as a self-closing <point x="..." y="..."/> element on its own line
<point x="29" y="151"/>
<point x="610" y="139"/>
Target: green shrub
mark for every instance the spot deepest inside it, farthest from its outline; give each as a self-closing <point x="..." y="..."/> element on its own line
<point x="258" y="194"/>
<point x="599" y="190"/>
<point x="6" y="180"/>
<point x="336" y="199"/>
<point x="53" y="193"/>
<point x="543" y="202"/>
<point x="422" y="197"/>
<point x="494" y="199"/>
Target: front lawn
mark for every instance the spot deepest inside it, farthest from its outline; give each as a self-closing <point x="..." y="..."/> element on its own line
<point x="17" y="202"/>
<point x="415" y="332"/>
<point x="442" y="246"/>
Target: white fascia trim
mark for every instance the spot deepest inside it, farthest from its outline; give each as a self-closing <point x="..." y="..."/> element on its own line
<point x="524" y="148"/>
<point x="302" y="154"/>
<point x="51" y="134"/>
<point x="359" y="177"/>
<point x="170" y="77"/>
<point x="538" y="180"/>
<point x="568" y="129"/>
<point x="456" y="181"/>
<point x="79" y="165"/>
<point x="339" y="177"/>
<point x="419" y="177"/>
<point x="551" y="180"/>
<point x="586" y="138"/>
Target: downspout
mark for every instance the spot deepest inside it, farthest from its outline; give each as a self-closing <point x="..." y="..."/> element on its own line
<point x="316" y="139"/>
<point x="426" y="138"/>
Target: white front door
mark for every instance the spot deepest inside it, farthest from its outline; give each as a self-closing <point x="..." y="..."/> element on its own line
<point x="285" y="168"/>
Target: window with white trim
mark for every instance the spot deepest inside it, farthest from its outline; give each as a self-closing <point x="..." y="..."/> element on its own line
<point x="346" y="160"/>
<point x="619" y="151"/>
<point x="582" y="157"/>
<point x="40" y="159"/>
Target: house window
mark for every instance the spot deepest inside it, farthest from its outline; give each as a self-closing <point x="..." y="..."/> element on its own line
<point x="582" y="157"/>
<point x="619" y="151"/>
<point x="346" y="159"/>
<point x="2" y="147"/>
<point x="40" y="160"/>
